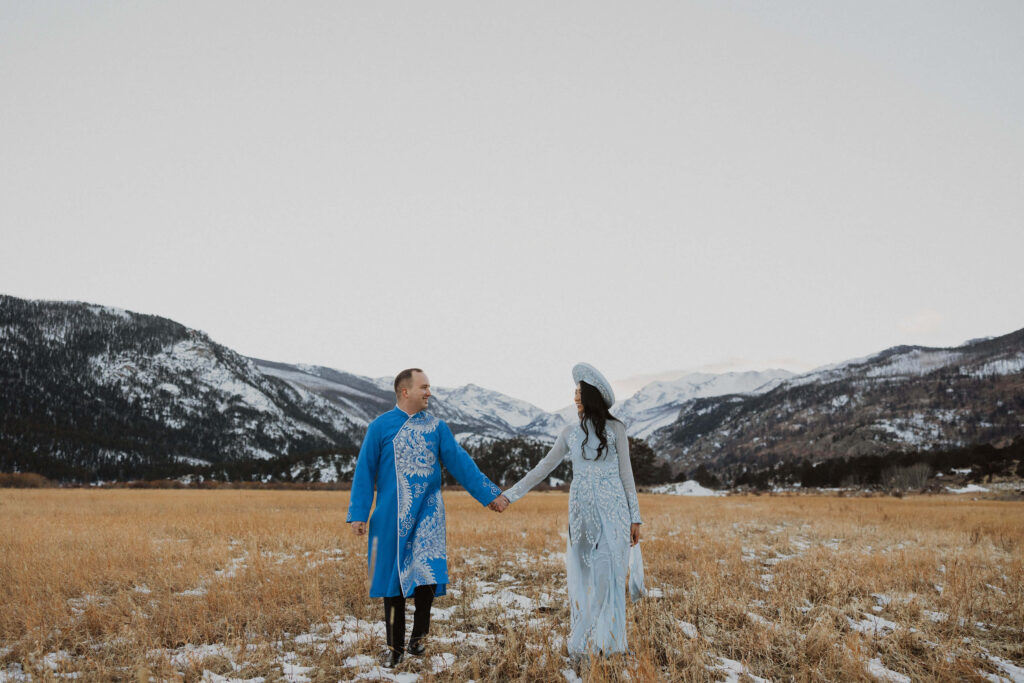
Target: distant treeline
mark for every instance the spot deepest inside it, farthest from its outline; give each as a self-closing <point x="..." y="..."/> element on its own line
<point x="883" y="471"/>
<point x="30" y="480"/>
<point x="306" y="467"/>
<point x="506" y="461"/>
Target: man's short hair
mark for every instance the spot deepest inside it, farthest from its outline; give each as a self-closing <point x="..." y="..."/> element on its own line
<point x="404" y="379"/>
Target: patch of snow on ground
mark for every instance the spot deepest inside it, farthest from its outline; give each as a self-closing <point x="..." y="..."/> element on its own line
<point x="233" y="567"/>
<point x="513" y="602"/>
<point x="441" y="613"/>
<point x="53" y="660"/>
<point x="686" y="488"/>
<point x="359" y="661"/>
<point x="441" y="662"/>
<point x="188" y="654"/>
<point x="688" y="629"/>
<point x="293" y="673"/>
<point x="879" y="671"/>
<point x="758" y="619"/>
<point x="351" y="630"/>
<point x="14" y="674"/>
<point x="872" y="624"/>
<point x="381" y="674"/>
<point x="735" y="671"/>
<point x="970" y="488"/>
<point x="474" y="639"/>
<point x="210" y="677"/>
<point x="1013" y="672"/>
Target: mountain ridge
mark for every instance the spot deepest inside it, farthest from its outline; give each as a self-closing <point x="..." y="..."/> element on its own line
<point x="899" y="399"/>
<point x="113" y="391"/>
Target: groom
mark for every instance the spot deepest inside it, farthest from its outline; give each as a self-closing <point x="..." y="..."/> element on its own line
<point x="401" y="459"/>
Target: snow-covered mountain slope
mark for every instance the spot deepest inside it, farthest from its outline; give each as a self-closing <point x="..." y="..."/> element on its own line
<point x="657" y="404"/>
<point x="904" y="398"/>
<point x="361" y="399"/>
<point x="901" y="362"/>
<point x="185" y="378"/>
<point x="491" y="407"/>
<point x="89" y="390"/>
<point x="92" y="391"/>
<point x="470" y="410"/>
<point x="546" y="427"/>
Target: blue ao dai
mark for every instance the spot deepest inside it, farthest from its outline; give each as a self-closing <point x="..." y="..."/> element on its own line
<point x="602" y="504"/>
<point x="400" y="460"/>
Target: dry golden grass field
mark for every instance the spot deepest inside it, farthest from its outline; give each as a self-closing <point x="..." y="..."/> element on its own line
<point x="271" y="585"/>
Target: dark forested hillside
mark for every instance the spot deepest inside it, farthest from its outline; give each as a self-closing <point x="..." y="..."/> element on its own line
<point x="92" y="392"/>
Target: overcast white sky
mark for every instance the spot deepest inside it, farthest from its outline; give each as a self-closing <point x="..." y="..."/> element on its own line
<point x="495" y="191"/>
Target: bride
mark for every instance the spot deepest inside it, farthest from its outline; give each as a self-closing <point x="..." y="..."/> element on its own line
<point x="604" y="516"/>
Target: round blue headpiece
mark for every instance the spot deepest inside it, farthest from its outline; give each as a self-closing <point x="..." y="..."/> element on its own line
<point x="585" y="372"/>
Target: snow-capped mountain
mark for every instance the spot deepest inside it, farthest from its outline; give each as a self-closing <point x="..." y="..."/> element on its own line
<point x="658" y="403"/>
<point x="470" y="410"/>
<point x="903" y="398"/>
<point x="510" y="415"/>
<point x="360" y="398"/>
<point x="90" y="391"/>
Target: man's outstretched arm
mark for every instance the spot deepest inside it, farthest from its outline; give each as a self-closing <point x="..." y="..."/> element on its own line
<point x="457" y="461"/>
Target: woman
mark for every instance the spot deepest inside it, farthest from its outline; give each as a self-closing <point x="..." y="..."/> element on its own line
<point x="604" y="516"/>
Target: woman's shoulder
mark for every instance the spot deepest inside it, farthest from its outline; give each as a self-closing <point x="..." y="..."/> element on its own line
<point x="617" y="428"/>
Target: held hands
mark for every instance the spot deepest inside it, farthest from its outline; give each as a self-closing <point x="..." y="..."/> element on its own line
<point x="359" y="528"/>
<point x="634" y="534"/>
<point x="499" y="504"/>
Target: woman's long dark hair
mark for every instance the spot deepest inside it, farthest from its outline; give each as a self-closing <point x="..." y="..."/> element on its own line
<point x="597" y="413"/>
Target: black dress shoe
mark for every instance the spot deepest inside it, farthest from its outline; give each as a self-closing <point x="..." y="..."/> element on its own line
<point x="393" y="659"/>
<point x="416" y="647"/>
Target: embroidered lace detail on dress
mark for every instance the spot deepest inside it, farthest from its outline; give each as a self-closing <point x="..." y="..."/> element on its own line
<point x="414" y="459"/>
<point x="427" y="543"/>
<point x="597" y="501"/>
<point x="412" y="456"/>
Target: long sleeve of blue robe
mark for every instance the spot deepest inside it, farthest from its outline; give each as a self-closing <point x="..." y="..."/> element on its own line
<point x="400" y="460"/>
<point x="457" y="461"/>
<point x="364" y="480"/>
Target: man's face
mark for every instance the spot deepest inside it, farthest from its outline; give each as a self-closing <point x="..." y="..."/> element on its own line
<point x="418" y="394"/>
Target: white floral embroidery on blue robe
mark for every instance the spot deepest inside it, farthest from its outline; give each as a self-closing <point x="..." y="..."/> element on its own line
<point x="602" y="504"/>
<point x="401" y="460"/>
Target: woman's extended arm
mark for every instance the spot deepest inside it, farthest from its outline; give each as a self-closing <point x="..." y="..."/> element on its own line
<point x="543" y="468"/>
<point x="626" y="472"/>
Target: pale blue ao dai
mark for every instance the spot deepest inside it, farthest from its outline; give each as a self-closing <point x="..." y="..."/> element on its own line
<point x="602" y="504"/>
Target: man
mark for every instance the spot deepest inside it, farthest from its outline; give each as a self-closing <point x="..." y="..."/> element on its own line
<point x="401" y="458"/>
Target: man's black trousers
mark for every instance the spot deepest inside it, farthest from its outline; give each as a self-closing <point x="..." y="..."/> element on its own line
<point x="394" y="617"/>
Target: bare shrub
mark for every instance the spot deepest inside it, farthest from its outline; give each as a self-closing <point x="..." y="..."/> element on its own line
<point x="24" y="480"/>
<point x="912" y="478"/>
